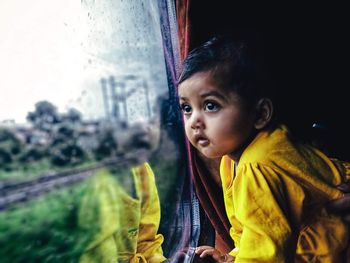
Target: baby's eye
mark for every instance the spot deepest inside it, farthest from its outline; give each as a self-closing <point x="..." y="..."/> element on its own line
<point x="186" y="109"/>
<point x="211" y="106"/>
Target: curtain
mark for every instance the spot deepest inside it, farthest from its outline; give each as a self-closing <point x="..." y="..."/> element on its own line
<point x="182" y="234"/>
<point x="204" y="170"/>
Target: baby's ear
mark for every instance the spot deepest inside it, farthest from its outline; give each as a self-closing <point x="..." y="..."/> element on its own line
<point x="264" y="111"/>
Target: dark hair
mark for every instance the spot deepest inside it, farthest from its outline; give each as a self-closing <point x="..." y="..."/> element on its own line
<point x="236" y="64"/>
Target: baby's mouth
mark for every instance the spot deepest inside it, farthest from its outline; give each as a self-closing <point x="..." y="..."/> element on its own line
<point x="202" y="141"/>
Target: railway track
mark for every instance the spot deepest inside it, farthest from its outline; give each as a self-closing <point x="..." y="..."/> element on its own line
<point x="24" y="191"/>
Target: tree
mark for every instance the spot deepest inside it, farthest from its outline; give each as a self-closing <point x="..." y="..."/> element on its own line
<point x="64" y="134"/>
<point x="107" y="144"/>
<point x="67" y="154"/>
<point x="33" y="153"/>
<point x="5" y="158"/>
<point x="73" y="116"/>
<point x="44" y="116"/>
<point x="10" y="147"/>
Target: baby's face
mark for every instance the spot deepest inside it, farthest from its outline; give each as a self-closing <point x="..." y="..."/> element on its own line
<point x="217" y="122"/>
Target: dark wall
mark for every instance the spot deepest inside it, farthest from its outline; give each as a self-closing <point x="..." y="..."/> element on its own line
<point x="307" y="47"/>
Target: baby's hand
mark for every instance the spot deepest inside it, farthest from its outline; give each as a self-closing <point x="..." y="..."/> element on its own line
<point x="204" y="251"/>
<point x="341" y="206"/>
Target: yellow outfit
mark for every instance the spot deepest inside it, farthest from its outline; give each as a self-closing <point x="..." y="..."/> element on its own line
<point x="275" y="201"/>
<point x="125" y="227"/>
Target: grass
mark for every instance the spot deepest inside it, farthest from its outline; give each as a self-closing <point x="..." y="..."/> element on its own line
<point x="45" y="229"/>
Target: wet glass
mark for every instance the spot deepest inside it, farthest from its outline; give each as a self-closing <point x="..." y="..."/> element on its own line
<point x="88" y="161"/>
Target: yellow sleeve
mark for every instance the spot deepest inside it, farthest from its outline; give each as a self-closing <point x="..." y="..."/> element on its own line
<point x="99" y="217"/>
<point x="260" y="207"/>
<point x="149" y="242"/>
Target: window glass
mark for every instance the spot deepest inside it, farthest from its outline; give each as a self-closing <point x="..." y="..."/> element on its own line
<point x="89" y="160"/>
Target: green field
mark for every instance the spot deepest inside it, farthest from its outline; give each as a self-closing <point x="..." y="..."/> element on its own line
<point x="46" y="229"/>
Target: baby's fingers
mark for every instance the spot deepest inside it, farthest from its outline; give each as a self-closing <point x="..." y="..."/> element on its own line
<point x="208" y="252"/>
<point x="199" y="250"/>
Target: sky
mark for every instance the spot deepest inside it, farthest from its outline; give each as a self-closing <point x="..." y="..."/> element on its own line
<point x="40" y="54"/>
<point x="58" y="50"/>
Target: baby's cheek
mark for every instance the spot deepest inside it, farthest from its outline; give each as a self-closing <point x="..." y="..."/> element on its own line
<point x="189" y="137"/>
<point x="188" y="132"/>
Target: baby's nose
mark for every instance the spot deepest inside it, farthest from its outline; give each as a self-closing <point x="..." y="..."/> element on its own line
<point x="196" y="121"/>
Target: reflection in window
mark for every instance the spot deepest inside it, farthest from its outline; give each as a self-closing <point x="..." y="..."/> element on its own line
<point x="90" y="164"/>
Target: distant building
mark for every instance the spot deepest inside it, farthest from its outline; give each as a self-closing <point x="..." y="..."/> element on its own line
<point x="119" y="91"/>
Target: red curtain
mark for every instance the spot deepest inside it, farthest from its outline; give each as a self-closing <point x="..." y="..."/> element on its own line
<point x="205" y="171"/>
<point x="184" y="26"/>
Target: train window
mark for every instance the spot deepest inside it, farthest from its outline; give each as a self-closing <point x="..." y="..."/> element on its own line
<point x="92" y="163"/>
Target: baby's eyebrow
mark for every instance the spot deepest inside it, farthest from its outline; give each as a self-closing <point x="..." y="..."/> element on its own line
<point x="183" y="98"/>
<point x="215" y="94"/>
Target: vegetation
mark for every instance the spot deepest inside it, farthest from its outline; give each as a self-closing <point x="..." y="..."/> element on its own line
<point x="44" y="116"/>
<point x="44" y="230"/>
<point x="51" y="144"/>
<point x="47" y="229"/>
<point x="10" y="148"/>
